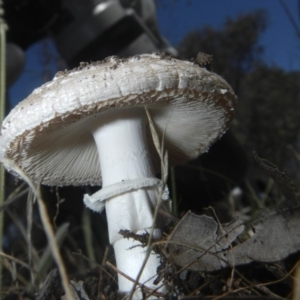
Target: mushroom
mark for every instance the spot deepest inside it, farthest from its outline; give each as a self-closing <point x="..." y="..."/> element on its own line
<point x="88" y="126"/>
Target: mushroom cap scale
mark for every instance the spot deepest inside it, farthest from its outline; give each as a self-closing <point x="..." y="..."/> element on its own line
<point x="48" y="137"/>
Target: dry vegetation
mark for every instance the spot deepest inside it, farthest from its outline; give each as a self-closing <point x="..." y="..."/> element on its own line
<point x="38" y="269"/>
<point x="51" y="240"/>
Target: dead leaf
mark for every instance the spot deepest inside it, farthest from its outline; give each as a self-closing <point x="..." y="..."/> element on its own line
<point x="276" y="235"/>
<point x="199" y="243"/>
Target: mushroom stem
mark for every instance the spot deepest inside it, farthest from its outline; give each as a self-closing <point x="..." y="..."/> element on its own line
<point x="124" y="155"/>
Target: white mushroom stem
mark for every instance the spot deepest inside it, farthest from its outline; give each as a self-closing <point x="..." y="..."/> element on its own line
<point x="124" y="155"/>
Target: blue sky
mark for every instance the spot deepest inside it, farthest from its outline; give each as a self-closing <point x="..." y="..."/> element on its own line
<point x="176" y="18"/>
<point x="282" y="48"/>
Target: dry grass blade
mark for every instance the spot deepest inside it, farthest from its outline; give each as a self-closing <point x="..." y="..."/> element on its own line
<point x="163" y="154"/>
<point x="44" y="260"/>
<point x="296" y="289"/>
<point x="88" y="235"/>
<point x="175" y="203"/>
<point x="164" y="169"/>
<point x="3" y="28"/>
<point x="53" y="244"/>
<point x="154" y="134"/>
<point x="9" y="257"/>
<point x="48" y="229"/>
<point x="145" y="288"/>
<point x="30" y="201"/>
<point x="284" y="183"/>
<point x="14" y="196"/>
<point x="159" y="147"/>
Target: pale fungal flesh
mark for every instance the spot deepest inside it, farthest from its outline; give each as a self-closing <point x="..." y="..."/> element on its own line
<point x="124" y="155"/>
<point x="95" y="115"/>
<point x="48" y="126"/>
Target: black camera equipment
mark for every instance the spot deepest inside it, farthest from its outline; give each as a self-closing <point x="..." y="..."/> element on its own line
<point x="87" y="30"/>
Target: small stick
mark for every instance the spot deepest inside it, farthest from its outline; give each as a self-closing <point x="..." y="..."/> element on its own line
<point x="132" y="280"/>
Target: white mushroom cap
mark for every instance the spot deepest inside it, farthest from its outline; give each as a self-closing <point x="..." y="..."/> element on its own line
<point x="46" y="135"/>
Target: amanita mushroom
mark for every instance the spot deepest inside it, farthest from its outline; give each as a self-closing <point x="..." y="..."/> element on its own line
<point x="95" y="116"/>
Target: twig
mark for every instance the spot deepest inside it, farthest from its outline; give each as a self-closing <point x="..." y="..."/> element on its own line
<point x="102" y="266"/>
<point x="143" y="287"/>
<point x="259" y="285"/>
<point x="291" y="18"/>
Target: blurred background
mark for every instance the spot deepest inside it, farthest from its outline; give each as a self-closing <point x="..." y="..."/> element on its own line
<point x="255" y="47"/>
